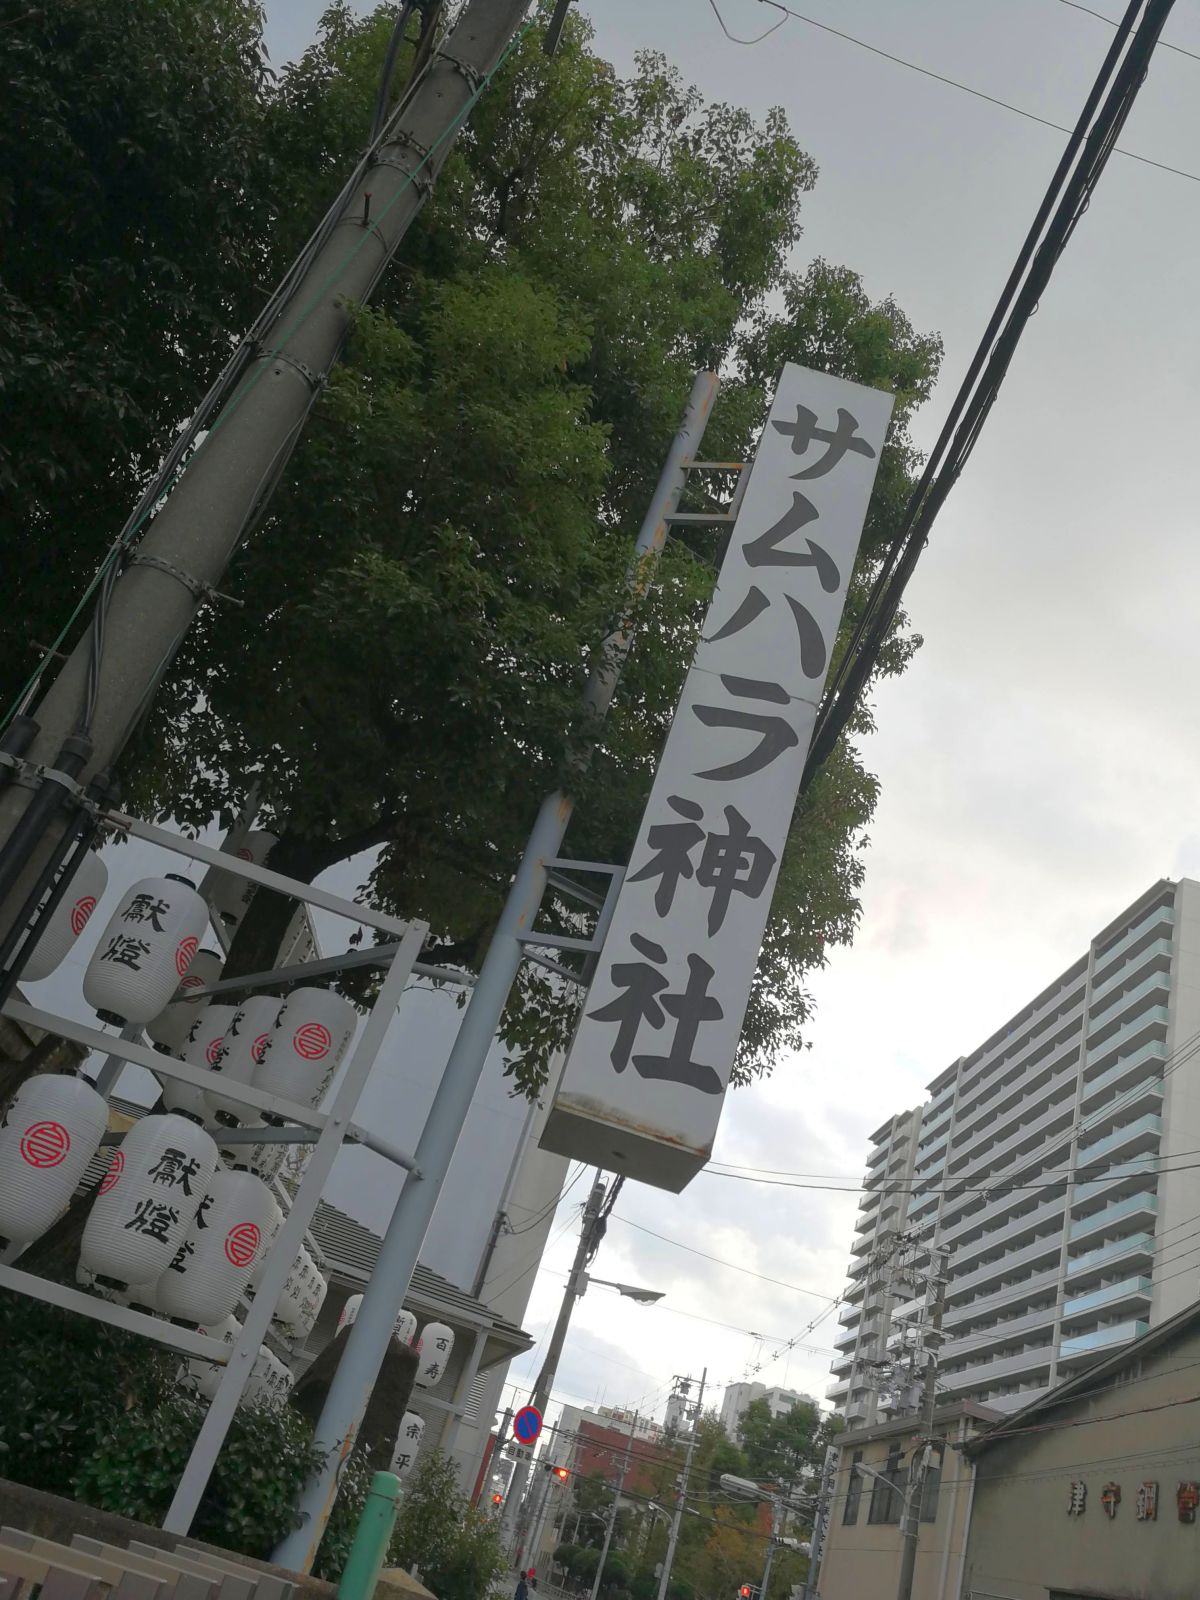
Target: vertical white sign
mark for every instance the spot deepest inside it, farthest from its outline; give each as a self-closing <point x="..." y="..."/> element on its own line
<point x="644" y="1081"/>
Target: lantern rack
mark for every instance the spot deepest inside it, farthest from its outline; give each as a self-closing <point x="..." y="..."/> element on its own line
<point x="326" y="1131"/>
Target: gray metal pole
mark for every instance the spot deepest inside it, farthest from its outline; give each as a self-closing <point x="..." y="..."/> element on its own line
<point x="824" y="1499"/>
<point x="910" y="1521"/>
<point x="612" y="1520"/>
<point x="545" y="1380"/>
<point x="776" y="1514"/>
<point x="384" y="1295"/>
<point x="676" y="1521"/>
<point x="188" y="546"/>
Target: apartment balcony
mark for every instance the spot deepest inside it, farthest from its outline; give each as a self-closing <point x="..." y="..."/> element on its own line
<point x="1043" y="1033"/>
<point x="1102" y="1339"/>
<point x="842" y="1367"/>
<point x="1041" y="1251"/>
<point x="985" y="1373"/>
<point x="966" y="1315"/>
<point x="1161" y="915"/>
<point x="1139" y="1029"/>
<point x="1137" y="1173"/>
<point x="1024" y="1396"/>
<point x="1132" y="1293"/>
<point x="1126" y="1071"/>
<point x="1137" y="1207"/>
<point x="991" y="1149"/>
<point x="836" y="1391"/>
<point x="1156" y="950"/>
<point x="990" y="1120"/>
<point x="920" y="1204"/>
<point x="1033" y="1222"/>
<point x="1000" y="1333"/>
<point x="1130" y="1001"/>
<point x="1131" y="1138"/>
<point x="1131" y="1251"/>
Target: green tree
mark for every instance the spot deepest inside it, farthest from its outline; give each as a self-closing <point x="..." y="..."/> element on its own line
<point x="135" y="190"/>
<point x="784" y="1449"/>
<point x="453" y="1544"/>
<point x="452" y="539"/>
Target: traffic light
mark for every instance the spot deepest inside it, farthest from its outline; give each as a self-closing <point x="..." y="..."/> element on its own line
<point x="561" y="1473"/>
<point x="744" y="1592"/>
<point x="497" y="1499"/>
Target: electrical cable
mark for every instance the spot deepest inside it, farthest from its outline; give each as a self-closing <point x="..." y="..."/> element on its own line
<point x="965" y="88"/>
<point x="1074" y="181"/>
<point x="732" y="1265"/>
<point x="1163" y="44"/>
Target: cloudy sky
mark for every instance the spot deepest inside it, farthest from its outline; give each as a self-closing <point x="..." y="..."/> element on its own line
<point x="1040" y="761"/>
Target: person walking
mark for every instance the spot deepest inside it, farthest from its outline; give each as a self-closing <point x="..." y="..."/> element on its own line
<point x="522" y="1589"/>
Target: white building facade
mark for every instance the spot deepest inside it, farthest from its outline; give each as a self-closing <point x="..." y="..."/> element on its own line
<point x="1057" y="1166"/>
<point x="739" y="1397"/>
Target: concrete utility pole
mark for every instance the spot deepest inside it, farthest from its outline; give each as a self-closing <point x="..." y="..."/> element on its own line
<point x="910" y="1518"/>
<point x="677" y="1520"/>
<point x="180" y="561"/>
<point x="612" y="1520"/>
<point x="776" y="1520"/>
<point x="384" y="1294"/>
<point x="545" y="1380"/>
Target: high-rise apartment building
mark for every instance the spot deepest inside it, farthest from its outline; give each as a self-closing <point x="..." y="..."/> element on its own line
<point x="1057" y="1166"/>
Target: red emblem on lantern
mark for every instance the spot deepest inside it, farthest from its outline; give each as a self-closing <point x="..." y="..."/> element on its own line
<point x="115" y="1168"/>
<point x="185" y="954"/>
<point x="1187" y="1498"/>
<point x="45" y="1144"/>
<point x="258" y="1048"/>
<point x="213" y="1054"/>
<point x="244" y="854"/>
<point x="192" y="983"/>
<point x="241" y="1243"/>
<point x="312" y="1041"/>
<point x="81" y="911"/>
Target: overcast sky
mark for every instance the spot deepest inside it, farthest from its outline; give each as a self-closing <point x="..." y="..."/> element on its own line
<point x="1040" y="761"/>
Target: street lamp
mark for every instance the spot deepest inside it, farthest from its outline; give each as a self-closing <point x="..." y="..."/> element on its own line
<point x="644" y="1297"/>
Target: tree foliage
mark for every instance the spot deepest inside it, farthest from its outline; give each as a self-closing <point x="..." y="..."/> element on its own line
<point x="449" y="544"/>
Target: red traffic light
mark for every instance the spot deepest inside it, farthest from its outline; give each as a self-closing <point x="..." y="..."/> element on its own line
<point x="562" y="1473"/>
<point x="497" y="1499"/>
<point x="744" y="1592"/>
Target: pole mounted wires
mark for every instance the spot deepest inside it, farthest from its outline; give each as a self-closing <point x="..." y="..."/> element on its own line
<point x="1083" y="160"/>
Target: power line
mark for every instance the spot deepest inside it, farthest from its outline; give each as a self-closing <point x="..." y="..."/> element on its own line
<point x="1163" y="44"/>
<point x="733" y="37"/>
<point x="732" y="1265"/>
<point x="965" y="88"/>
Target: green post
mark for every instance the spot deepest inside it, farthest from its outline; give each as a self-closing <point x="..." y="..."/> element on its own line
<point x="371" y="1538"/>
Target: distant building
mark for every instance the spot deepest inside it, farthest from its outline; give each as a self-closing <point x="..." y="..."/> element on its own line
<point x="740" y="1396"/>
<point x="1054" y="1164"/>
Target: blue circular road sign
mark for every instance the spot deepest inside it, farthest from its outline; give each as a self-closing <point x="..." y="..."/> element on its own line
<point x="527" y="1424"/>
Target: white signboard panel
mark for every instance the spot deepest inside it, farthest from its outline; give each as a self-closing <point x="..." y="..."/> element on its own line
<point x="643" y="1085"/>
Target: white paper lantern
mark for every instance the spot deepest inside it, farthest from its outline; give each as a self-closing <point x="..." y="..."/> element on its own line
<point x="59" y="931"/>
<point x="303" y="1296"/>
<point x="406" y="1328"/>
<point x="269" y="1383"/>
<point x="434" y="1347"/>
<point x="205" y="1376"/>
<point x="48" y="1135"/>
<point x="202" y="1048"/>
<point x="274" y="1223"/>
<point x="242" y="1049"/>
<point x="149" y="1199"/>
<point x="408" y="1443"/>
<point x="307" y="1043"/>
<point x="348" y="1315"/>
<point x="229" y="894"/>
<point x="146" y="950"/>
<point x="212" y="1266"/>
<point x="170" y="1028"/>
<point x="141" y="1296"/>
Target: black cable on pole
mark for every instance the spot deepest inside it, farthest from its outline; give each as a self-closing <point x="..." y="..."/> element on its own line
<point x="1067" y="198"/>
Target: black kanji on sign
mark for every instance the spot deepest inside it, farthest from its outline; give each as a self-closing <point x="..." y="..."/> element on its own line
<point x="642" y="1000"/>
<point x="777" y="733"/>
<point x="123" y="951"/>
<point x="186" y="1250"/>
<point x="434" y="1372"/>
<point x="146" y="908"/>
<point x="839" y="440"/>
<point x="205" y="1205"/>
<point x="414" y="1430"/>
<point x="734" y="862"/>
<point x="174" y="1169"/>
<point x="153" y="1219"/>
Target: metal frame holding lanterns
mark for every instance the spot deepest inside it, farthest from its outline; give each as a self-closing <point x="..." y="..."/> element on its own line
<point x="292" y="1122"/>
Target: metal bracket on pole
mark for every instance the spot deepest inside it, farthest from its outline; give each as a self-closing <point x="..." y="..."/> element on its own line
<point x="587" y="944"/>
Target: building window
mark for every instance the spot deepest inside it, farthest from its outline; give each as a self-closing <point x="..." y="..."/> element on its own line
<point x="853" y="1491"/>
<point x="885" y="1497"/>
